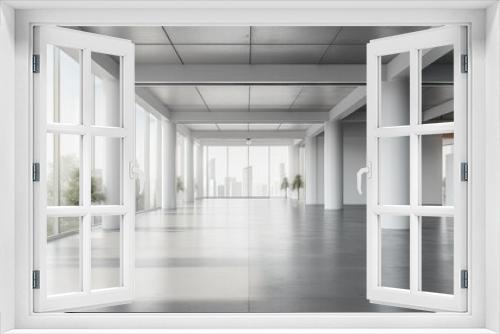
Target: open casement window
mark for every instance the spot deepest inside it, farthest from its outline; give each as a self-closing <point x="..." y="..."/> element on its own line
<point x="84" y="208"/>
<point x="417" y="154"/>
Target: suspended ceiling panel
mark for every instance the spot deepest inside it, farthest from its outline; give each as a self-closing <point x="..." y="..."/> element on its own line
<point x="273" y="97"/>
<point x="345" y="54"/>
<point x="180" y="98"/>
<point x="156" y="54"/>
<point x="363" y="35"/>
<point x="213" y="54"/>
<point x="223" y="98"/>
<point x="294" y="35"/>
<point x="320" y="97"/>
<point x="287" y="54"/>
<point x="138" y="35"/>
<point x="209" y="35"/>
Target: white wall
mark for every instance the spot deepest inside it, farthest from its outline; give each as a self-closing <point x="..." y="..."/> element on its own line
<point x="320" y="175"/>
<point x="354" y="159"/>
<point x="7" y="125"/>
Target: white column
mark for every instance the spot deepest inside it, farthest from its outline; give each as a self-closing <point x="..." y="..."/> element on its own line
<point x="333" y="165"/>
<point x="394" y="153"/>
<point x="293" y="167"/>
<point x="199" y="171"/>
<point x="169" y="193"/>
<point x="189" y="169"/>
<point x="311" y="170"/>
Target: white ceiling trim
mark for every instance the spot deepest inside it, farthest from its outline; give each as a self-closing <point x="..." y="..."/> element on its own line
<point x="275" y="4"/>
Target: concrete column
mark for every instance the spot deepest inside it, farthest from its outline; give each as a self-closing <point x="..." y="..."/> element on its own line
<point x="320" y="172"/>
<point x="333" y="162"/>
<point x="311" y="170"/>
<point x="189" y="169"/>
<point x="394" y="153"/>
<point x="199" y="171"/>
<point x="169" y="193"/>
<point x="293" y="167"/>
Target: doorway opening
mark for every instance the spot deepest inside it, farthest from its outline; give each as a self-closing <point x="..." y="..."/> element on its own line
<point x="247" y="142"/>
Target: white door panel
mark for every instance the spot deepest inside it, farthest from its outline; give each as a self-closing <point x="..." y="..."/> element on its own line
<point x="416" y="144"/>
<point x="84" y="207"/>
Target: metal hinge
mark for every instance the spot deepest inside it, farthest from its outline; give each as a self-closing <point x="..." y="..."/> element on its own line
<point x="464" y="279"/>
<point x="464" y="171"/>
<point x="465" y="63"/>
<point x="36" y="63"/>
<point x="36" y="172"/>
<point x="36" y="279"/>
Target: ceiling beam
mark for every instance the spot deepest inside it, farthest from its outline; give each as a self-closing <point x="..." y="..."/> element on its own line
<point x="437" y="111"/>
<point x="315" y="130"/>
<point x="254" y="134"/>
<point x="275" y="74"/>
<point x="400" y="64"/>
<point x="243" y="142"/>
<point x="254" y="117"/>
<point x="151" y="75"/>
<point x="349" y="104"/>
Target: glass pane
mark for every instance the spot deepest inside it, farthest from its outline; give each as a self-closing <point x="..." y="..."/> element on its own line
<point x="106" y="252"/>
<point x="437" y="100"/>
<point x="107" y="93"/>
<point x="63" y="169"/>
<point x="437" y="169"/>
<point x="63" y="85"/>
<point x="237" y="178"/>
<point x="140" y="156"/>
<point x="217" y="165"/>
<point x="395" y="93"/>
<point x="106" y="170"/>
<point x="394" y="171"/>
<point x="278" y="169"/>
<point x="63" y="255"/>
<point x="258" y="171"/>
<point x="395" y="249"/>
<point x="437" y="254"/>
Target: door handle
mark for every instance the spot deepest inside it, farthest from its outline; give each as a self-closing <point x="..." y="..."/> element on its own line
<point x="359" y="177"/>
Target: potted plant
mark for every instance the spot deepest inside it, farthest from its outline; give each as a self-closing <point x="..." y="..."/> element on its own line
<point x="297" y="184"/>
<point x="179" y="184"/>
<point x="285" y="185"/>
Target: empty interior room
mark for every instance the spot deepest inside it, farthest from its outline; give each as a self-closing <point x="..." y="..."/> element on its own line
<point x="251" y="174"/>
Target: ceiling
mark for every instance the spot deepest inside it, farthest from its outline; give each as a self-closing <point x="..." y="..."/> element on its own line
<point x="251" y="45"/>
<point x="251" y="98"/>
<point x="249" y="127"/>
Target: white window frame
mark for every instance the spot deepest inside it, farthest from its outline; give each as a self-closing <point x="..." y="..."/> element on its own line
<point x="481" y="233"/>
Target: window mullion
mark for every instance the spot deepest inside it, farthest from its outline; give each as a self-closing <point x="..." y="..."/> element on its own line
<point x="86" y="166"/>
<point x="415" y="165"/>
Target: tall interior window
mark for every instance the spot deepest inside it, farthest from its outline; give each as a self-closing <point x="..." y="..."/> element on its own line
<point x="148" y="159"/>
<point x="246" y="171"/>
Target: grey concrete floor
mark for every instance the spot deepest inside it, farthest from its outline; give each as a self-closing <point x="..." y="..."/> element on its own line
<point x="261" y="255"/>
